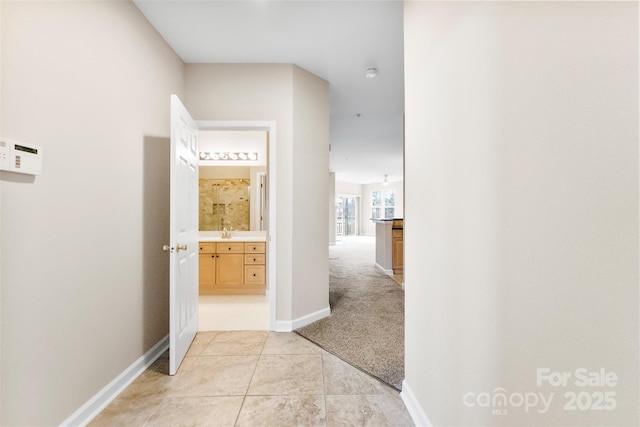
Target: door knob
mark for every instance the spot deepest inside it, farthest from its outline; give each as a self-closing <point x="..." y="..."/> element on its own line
<point x="181" y="247"/>
<point x="167" y="248"/>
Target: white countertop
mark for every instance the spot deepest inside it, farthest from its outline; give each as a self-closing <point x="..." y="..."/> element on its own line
<point x="236" y="236"/>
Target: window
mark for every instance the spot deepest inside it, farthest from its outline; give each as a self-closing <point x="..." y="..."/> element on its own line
<point x="383" y="204"/>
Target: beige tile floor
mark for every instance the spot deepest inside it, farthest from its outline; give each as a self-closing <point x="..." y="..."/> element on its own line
<point x="255" y="378"/>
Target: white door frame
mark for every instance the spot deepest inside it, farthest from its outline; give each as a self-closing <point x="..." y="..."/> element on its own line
<point x="269" y="126"/>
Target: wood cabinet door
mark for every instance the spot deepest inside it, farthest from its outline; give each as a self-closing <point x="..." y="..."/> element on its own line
<point x="230" y="269"/>
<point x="207" y="272"/>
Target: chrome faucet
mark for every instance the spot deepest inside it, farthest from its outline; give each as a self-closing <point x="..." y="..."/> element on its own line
<point x="226" y="234"/>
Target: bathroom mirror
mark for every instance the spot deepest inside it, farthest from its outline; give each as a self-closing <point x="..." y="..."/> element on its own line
<point x="233" y="172"/>
<point x="231" y="197"/>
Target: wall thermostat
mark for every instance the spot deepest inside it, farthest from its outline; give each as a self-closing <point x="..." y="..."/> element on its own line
<point x="20" y="157"/>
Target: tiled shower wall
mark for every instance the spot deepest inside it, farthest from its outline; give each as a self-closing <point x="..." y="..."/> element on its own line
<point x="224" y="203"/>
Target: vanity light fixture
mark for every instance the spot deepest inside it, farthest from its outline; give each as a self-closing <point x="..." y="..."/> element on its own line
<point x="370" y="72"/>
<point x="228" y="155"/>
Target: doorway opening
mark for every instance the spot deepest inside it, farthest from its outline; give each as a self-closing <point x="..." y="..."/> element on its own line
<point x="246" y="311"/>
<point x="347" y="214"/>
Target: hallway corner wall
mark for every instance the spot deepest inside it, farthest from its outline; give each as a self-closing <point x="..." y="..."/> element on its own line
<point x="310" y="192"/>
<point x="521" y="225"/>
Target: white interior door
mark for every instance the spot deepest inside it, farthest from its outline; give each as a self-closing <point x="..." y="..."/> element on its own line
<point x="183" y="246"/>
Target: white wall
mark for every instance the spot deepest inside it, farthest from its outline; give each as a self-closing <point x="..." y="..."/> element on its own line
<point x="254" y="141"/>
<point x="521" y="222"/>
<point x="348" y="188"/>
<point x="84" y="277"/>
<point x="267" y="92"/>
<point x="222" y="172"/>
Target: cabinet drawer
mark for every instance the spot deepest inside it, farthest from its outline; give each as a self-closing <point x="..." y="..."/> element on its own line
<point x="254" y="274"/>
<point x="230" y="248"/>
<point x="207" y="248"/>
<point x="397" y="233"/>
<point x="254" y="248"/>
<point x="254" y="259"/>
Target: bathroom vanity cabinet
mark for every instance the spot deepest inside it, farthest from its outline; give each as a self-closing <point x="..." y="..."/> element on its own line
<point x="232" y="268"/>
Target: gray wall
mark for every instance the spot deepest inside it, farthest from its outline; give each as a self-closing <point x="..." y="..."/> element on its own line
<point x="521" y="229"/>
<point x="84" y="277"/>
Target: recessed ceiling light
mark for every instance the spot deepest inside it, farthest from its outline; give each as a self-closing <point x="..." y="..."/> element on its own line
<point x="370" y="72"/>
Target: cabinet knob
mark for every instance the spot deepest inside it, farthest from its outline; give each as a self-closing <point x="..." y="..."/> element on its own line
<point x="254" y="274"/>
<point x="254" y="260"/>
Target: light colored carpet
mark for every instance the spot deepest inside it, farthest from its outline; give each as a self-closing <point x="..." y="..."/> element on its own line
<point x="366" y="325"/>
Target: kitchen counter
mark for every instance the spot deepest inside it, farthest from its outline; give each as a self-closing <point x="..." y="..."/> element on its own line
<point x="236" y="236"/>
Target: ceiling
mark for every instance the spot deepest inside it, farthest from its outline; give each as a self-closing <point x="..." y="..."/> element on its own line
<point x="336" y="40"/>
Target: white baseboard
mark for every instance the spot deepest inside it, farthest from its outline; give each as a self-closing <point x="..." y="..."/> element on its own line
<point x="310" y="318"/>
<point x="385" y="271"/>
<point x="290" y="325"/>
<point x="97" y="403"/>
<point x="413" y="406"/>
<point x="284" y="326"/>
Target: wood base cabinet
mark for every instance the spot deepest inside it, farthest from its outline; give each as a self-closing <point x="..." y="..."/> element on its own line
<point x="232" y="268"/>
